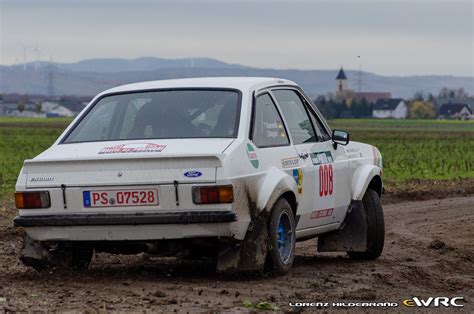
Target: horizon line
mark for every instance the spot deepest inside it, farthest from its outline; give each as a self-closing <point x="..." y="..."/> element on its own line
<point x="32" y="62"/>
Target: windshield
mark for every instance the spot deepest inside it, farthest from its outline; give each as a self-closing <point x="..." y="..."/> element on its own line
<point x="160" y="114"/>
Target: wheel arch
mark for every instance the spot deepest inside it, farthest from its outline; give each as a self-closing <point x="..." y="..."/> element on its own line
<point x="376" y="185"/>
<point x="274" y="185"/>
<point x="367" y="176"/>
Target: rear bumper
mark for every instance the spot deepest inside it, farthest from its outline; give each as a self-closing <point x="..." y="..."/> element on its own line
<point x="125" y="219"/>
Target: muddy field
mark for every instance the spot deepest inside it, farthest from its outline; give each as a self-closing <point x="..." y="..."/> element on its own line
<point x="429" y="252"/>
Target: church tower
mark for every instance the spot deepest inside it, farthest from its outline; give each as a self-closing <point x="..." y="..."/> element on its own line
<point x="341" y="81"/>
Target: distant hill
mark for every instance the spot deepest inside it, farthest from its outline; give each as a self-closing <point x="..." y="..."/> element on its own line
<point x="88" y="77"/>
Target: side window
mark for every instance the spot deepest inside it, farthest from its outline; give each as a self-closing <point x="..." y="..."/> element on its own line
<point x="294" y="111"/>
<point x="268" y="129"/>
<point x="320" y="130"/>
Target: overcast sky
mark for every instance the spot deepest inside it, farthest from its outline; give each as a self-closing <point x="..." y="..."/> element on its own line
<point x="391" y="37"/>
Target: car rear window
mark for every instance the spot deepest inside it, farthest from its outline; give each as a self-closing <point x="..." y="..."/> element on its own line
<point x="170" y="114"/>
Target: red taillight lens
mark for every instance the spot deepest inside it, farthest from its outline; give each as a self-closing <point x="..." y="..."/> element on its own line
<point x="31" y="200"/>
<point x="213" y="194"/>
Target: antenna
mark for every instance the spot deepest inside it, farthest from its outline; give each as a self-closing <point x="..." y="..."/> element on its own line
<point x="359" y="76"/>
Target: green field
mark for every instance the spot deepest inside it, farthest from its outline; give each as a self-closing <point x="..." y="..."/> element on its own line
<point x="417" y="149"/>
<point x="411" y="149"/>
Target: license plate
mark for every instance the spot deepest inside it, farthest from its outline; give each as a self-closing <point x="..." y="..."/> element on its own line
<point x="120" y="198"/>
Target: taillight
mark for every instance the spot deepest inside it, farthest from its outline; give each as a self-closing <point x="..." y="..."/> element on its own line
<point x="213" y="194"/>
<point x="31" y="200"/>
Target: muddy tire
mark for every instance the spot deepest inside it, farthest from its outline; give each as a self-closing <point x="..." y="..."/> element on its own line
<point x="375" y="227"/>
<point x="281" y="244"/>
<point x="34" y="254"/>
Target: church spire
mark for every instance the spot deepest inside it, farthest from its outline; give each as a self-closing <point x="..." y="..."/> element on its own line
<point x="341" y="75"/>
<point x="341" y="81"/>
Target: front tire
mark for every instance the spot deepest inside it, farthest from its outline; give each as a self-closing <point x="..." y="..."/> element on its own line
<point x="281" y="249"/>
<point x="375" y="227"/>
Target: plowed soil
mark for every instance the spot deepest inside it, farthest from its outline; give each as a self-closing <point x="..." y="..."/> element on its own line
<point x="429" y="251"/>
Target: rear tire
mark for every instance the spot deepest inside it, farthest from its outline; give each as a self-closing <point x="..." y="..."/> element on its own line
<point x="375" y="227"/>
<point x="281" y="248"/>
<point x="34" y="254"/>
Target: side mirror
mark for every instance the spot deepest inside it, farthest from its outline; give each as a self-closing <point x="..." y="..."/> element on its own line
<point x="340" y="137"/>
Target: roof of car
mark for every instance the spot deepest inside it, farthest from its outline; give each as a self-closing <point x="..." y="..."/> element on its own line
<point x="242" y="83"/>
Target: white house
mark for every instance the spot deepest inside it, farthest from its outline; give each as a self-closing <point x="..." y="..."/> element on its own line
<point x="55" y="109"/>
<point x="395" y="108"/>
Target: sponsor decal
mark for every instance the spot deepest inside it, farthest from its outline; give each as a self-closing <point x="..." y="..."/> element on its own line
<point x="298" y="176"/>
<point x="434" y="301"/>
<point x="353" y="156"/>
<point x="322" y="158"/>
<point x="290" y="162"/>
<point x="193" y="174"/>
<point x="42" y="179"/>
<point x="274" y="130"/>
<point x="352" y="150"/>
<point x="353" y="153"/>
<point x="252" y="155"/>
<point x="133" y="148"/>
<point x="322" y="213"/>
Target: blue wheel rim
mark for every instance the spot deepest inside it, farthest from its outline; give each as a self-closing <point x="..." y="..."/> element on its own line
<point x="284" y="238"/>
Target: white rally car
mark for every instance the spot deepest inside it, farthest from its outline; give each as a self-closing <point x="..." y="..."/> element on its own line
<point x="237" y="169"/>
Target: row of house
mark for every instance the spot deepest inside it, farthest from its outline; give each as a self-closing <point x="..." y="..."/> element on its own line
<point x="397" y="108"/>
<point x="385" y="107"/>
<point x="34" y="107"/>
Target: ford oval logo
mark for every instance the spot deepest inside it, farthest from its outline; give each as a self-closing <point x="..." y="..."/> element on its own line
<point x="193" y="174"/>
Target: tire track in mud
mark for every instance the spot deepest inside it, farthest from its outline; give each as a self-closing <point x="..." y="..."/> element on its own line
<point x="428" y="252"/>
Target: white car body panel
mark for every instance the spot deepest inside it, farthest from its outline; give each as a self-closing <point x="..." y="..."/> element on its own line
<point x="85" y="166"/>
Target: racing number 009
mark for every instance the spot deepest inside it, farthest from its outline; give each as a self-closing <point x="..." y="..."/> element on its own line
<point x="326" y="182"/>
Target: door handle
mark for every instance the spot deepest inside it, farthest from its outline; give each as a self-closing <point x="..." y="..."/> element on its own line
<point x="303" y="155"/>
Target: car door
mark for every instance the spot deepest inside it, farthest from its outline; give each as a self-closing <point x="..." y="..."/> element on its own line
<point x="268" y="135"/>
<point x="337" y="178"/>
<point x="319" y="199"/>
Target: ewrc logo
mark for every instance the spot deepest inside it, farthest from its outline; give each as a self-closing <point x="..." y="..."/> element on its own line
<point x="133" y="148"/>
<point x="252" y="155"/>
<point x="436" y="302"/>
